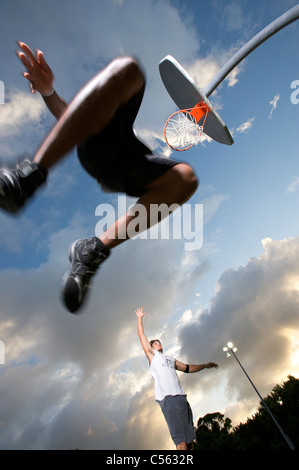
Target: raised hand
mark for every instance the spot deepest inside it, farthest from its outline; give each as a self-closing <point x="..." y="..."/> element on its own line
<point x="139" y="312"/>
<point x="38" y="73"/>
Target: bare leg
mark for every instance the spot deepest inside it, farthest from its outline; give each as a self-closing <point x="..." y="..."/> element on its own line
<point x="176" y="186"/>
<point x="91" y="109"/>
<point x="182" y="446"/>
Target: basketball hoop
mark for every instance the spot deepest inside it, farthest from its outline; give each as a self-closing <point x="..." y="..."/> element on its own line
<point x="182" y="129"/>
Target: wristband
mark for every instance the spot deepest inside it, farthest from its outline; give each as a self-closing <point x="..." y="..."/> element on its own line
<point x="50" y="93"/>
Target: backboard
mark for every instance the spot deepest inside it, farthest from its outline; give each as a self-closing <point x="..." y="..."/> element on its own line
<point x="186" y="94"/>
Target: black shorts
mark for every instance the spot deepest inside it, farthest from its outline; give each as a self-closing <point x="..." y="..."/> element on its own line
<point x="118" y="159"/>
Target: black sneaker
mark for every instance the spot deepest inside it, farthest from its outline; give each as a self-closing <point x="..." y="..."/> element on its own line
<point x="16" y="186"/>
<point x="85" y="257"/>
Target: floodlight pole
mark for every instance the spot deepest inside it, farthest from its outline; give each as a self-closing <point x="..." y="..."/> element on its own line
<point x="232" y="350"/>
<point x="280" y="22"/>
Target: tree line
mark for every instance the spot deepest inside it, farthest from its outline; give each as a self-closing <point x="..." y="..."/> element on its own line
<point x="215" y="432"/>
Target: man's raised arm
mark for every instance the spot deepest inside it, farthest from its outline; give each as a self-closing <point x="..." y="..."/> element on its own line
<point x="149" y="352"/>
<point x="41" y="79"/>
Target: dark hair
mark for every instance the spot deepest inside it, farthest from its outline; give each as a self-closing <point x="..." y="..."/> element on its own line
<point x="153" y="340"/>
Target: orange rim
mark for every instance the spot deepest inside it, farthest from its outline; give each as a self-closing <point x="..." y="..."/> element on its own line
<point x="199" y="111"/>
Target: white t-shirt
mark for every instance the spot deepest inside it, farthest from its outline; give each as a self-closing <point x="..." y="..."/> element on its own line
<point x="164" y="373"/>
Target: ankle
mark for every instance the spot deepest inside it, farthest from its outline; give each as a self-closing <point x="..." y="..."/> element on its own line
<point x="31" y="176"/>
<point x="100" y="246"/>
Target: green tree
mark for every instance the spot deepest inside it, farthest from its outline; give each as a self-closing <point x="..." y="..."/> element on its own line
<point x="260" y="432"/>
<point x="215" y="432"/>
<point x="212" y="432"/>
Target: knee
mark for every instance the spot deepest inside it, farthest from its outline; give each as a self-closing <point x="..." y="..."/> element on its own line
<point x="189" y="179"/>
<point x="129" y="72"/>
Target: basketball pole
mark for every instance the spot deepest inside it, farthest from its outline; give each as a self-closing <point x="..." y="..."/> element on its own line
<point x="280" y="22"/>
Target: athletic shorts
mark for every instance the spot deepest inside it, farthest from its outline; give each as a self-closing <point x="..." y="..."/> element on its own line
<point x="179" y="418"/>
<point x="118" y="159"/>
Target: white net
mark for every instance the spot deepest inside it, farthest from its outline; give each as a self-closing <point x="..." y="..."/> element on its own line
<point x="182" y="131"/>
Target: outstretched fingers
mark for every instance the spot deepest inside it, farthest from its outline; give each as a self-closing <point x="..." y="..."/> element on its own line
<point x="139" y="312"/>
<point x="38" y="73"/>
<point x="27" y="56"/>
<point x="42" y="62"/>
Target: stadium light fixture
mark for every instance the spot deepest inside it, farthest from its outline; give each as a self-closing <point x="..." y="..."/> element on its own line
<point x="230" y="349"/>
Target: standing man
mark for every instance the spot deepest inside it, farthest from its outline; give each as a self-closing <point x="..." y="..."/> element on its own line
<point x="168" y="390"/>
<point x="99" y="122"/>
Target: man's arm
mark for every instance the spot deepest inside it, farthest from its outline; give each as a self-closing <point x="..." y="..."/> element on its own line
<point x="149" y="352"/>
<point x="41" y="79"/>
<point x="194" y="367"/>
<point x="55" y="104"/>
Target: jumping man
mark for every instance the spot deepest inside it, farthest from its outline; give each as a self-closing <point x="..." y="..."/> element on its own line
<point x="99" y="122"/>
<point x="168" y="390"/>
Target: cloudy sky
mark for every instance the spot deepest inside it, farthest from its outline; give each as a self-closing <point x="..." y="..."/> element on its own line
<point x="82" y="381"/>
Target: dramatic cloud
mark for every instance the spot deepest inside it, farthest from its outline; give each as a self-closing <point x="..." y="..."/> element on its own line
<point x="256" y="307"/>
<point x="71" y="365"/>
